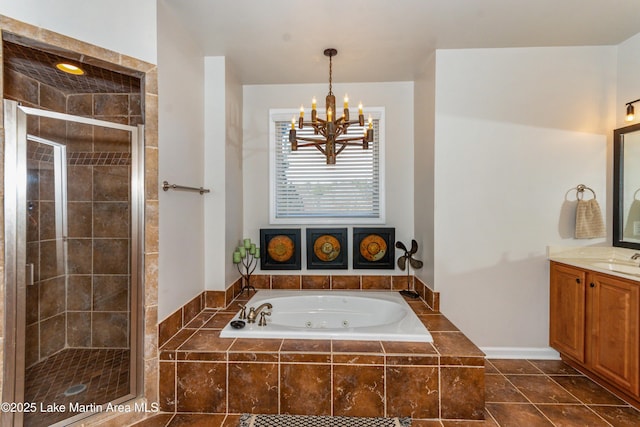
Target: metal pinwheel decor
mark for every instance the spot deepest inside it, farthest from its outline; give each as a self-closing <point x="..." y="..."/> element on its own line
<point x="407" y="258"/>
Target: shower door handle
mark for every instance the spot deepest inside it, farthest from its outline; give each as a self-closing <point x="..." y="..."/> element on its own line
<point x="30" y="275"/>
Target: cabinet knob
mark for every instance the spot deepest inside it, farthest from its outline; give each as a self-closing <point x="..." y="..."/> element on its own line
<point x="577" y="280"/>
<point x="593" y="285"/>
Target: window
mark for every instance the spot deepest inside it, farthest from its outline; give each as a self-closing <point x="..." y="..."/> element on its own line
<point x="304" y="189"/>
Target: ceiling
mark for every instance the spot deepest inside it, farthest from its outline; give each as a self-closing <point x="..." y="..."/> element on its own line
<point x="281" y="41"/>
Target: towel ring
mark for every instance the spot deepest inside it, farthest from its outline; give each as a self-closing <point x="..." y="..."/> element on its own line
<point x="580" y="191"/>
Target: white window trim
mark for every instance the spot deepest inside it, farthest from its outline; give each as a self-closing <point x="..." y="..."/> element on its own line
<point x="285" y="114"/>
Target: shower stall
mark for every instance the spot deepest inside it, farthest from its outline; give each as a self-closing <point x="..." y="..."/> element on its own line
<point x="73" y="239"/>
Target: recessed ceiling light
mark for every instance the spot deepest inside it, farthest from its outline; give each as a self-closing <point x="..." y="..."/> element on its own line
<point x="69" y="68"/>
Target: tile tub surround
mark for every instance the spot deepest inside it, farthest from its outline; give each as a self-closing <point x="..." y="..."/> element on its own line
<point x="221" y="299"/>
<point x="203" y="373"/>
<point x="518" y="393"/>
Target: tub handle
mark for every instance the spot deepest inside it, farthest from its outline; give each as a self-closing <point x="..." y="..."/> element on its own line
<point x="263" y="321"/>
<point x="243" y="312"/>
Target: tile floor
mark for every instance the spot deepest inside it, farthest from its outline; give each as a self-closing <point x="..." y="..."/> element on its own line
<point x="519" y="393"/>
<point x="549" y="393"/>
<point x="105" y="372"/>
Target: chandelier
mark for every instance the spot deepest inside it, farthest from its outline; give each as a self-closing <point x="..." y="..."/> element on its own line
<point x="330" y="136"/>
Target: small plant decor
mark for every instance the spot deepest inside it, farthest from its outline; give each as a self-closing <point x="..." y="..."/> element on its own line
<point x="246" y="255"/>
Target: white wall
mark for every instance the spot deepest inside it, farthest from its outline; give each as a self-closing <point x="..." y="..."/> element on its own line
<point x="424" y="166"/>
<point x="628" y="79"/>
<point x="180" y="133"/>
<point x="124" y="26"/>
<point x="215" y="162"/>
<point x="516" y="130"/>
<point x="233" y="174"/>
<point x="223" y="172"/>
<point x="397" y="98"/>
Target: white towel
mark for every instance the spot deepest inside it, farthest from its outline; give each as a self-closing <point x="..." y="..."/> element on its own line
<point x="589" y="223"/>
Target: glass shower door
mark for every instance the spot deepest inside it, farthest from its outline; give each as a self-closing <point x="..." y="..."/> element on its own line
<point x="46" y="243"/>
<point x="73" y="223"/>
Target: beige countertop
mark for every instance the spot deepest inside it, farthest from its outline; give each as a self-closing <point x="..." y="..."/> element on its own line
<point x="603" y="259"/>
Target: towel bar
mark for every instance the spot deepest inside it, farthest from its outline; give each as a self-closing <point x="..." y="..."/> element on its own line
<point x="166" y="187"/>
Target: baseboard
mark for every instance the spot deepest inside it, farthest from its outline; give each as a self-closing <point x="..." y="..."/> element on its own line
<point x="534" y="353"/>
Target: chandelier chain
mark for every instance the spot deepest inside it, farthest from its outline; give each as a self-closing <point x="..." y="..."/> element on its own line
<point x="330" y="74"/>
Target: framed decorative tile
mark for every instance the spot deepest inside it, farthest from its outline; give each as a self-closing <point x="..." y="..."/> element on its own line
<point x="327" y="248"/>
<point x="280" y="249"/>
<point x="374" y="248"/>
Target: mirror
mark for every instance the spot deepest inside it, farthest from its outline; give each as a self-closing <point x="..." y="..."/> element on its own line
<point x="626" y="187"/>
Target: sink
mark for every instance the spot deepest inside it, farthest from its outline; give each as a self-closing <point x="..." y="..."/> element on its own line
<point x="618" y="267"/>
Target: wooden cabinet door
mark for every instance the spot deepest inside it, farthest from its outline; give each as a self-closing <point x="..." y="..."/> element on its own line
<point x="614" y="326"/>
<point x="567" y="310"/>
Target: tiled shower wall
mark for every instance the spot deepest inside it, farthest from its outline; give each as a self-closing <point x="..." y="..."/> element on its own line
<point x="93" y="310"/>
<point x="99" y="170"/>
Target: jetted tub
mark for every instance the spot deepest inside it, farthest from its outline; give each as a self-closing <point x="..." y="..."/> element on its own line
<point x="339" y="315"/>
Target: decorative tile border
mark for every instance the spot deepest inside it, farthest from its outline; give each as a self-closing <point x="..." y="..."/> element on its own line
<point x="99" y="159"/>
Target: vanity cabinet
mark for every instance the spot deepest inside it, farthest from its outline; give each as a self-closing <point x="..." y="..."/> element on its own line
<point x="613" y="323"/>
<point x="567" y="310"/>
<point x="595" y="321"/>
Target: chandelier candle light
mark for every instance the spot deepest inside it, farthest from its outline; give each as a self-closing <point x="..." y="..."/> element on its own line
<point x="246" y="255"/>
<point x="332" y="132"/>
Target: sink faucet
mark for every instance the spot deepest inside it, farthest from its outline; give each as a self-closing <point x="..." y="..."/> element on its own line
<point x="253" y="312"/>
<point x="635" y="256"/>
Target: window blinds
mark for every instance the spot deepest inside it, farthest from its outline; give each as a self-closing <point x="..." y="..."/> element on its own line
<point x="306" y="187"/>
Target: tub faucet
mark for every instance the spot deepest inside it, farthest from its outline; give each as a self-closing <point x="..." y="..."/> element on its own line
<point x="253" y="312"/>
